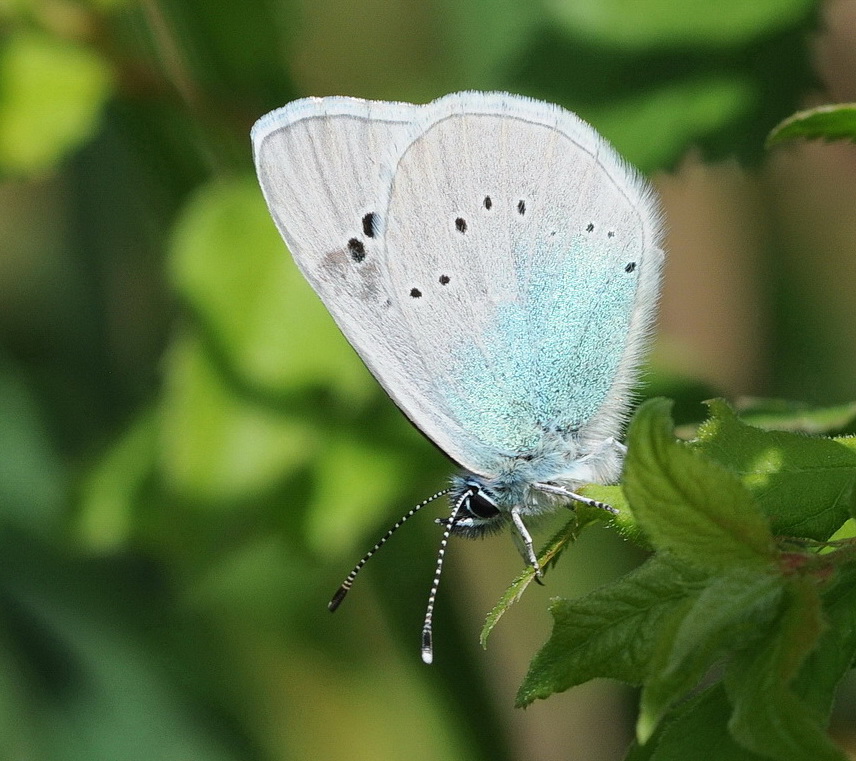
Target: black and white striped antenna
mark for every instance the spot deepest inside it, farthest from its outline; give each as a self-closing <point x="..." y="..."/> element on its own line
<point x="427" y="636"/>
<point x="349" y="580"/>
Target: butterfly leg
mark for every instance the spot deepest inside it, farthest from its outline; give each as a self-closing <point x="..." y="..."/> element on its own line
<point x="562" y="492"/>
<point x="613" y="443"/>
<point x="523" y="539"/>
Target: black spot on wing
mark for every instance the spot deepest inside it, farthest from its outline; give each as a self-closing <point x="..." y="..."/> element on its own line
<point x="369" y="221"/>
<point x="521" y="207"/>
<point x="461" y="225"/>
<point x="630" y="266"/>
<point x="356" y="249"/>
<point x="487" y="203"/>
<point x="444" y="279"/>
<point x="415" y="293"/>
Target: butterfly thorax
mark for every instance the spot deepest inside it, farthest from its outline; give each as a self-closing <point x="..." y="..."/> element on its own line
<point x="486" y="502"/>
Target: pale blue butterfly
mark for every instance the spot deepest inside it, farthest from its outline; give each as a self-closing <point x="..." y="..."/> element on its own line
<point x="497" y="267"/>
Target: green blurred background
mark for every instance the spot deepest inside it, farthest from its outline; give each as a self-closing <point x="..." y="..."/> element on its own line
<point x="192" y="457"/>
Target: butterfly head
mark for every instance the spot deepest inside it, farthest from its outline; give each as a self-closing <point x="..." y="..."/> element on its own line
<point x="480" y="512"/>
<point x="486" y="503"/>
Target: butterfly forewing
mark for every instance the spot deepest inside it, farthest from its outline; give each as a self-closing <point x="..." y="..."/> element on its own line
<point x="324" y="166"/>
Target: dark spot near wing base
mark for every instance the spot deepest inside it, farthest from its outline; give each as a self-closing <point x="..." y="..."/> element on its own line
<point x="356" y="249"/>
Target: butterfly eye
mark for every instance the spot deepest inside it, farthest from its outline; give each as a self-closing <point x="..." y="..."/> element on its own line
<point x="479" y="505"/>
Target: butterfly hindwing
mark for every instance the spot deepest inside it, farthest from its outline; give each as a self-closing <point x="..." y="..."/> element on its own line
<point x="525" y="255"/>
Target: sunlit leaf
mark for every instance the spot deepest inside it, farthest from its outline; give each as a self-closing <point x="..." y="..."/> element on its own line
<point x="689" y="504"/>
<point x="109" y="491"/>
<point x="354" y="484"/>
<point x="806" y="485"/>
<point x="215" y="445"/>
<point x="786" y="415"/>
<point x="834" y="122"/>
<point x="611" y="632"/>
<point x="51" y="96"/>
<point x="230" y="264"/>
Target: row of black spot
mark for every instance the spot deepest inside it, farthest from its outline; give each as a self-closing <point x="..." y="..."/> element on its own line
<point x="521" y="205"/>
<point x="357" y="248"/>
<point x="417" y="294"/>
<point x="461" y="223"/>
<point x="590" y="229"/>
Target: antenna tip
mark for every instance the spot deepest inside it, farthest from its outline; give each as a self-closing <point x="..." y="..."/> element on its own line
<point x="427" y="647"/>
<point x="337" y="598"/>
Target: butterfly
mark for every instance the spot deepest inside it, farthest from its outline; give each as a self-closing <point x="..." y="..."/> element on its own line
<point x="497" y="267"/>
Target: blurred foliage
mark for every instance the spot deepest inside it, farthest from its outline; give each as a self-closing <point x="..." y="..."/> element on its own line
<point x="190" y="454"/>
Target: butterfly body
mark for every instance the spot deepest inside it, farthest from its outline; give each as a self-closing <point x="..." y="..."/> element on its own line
<point x="556" y="462"/>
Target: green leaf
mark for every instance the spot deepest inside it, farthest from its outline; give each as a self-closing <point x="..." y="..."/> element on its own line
<point x="355" y="481"/>
<point x="480" y="35"/>
<point x="686" y="503"/>
<point x="230" y="264"/>
<point x="833" y="122"/>
<point x="216" y="446"/>
<point x="558" y="543"/>
<point x="611" y="632"/>
<point x="51" y="97"/>
<point x="699" y="723"/>
<point x="730" y="611"/>
<point x="547" y="557"/>
<point x="33" y="481"/>
<point x="655" y="23"/>
<point x="656" y="90"/>
<point x="805" y="485"/>
<point x="111" y="488"/>
<point x="671" y="116"/>
<point x="786" y="415"/>
<point x="88" y="665"/>
<point x="769" y="718"/>
<point x="835" y="653"/>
